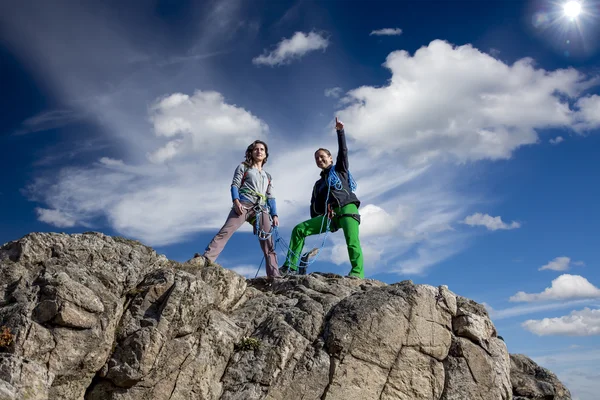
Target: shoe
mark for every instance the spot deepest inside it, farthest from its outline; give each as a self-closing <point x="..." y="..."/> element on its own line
<point x="284" y="270"/>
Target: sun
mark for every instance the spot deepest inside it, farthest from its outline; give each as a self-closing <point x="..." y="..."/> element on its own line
<point x="572" y="9"/>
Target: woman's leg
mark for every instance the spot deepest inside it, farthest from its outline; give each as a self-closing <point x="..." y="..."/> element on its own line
<point x="313" y="226"/>
<point x="267" y="246"/>
<point x="350" y="227"/>
<point x="232" y="224"/>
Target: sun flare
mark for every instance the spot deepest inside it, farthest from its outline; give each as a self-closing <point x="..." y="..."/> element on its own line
<point x="572" y="9"/>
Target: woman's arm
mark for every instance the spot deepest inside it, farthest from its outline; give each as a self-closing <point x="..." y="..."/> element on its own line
<point x="236" y="182"/>
<point x="342" y="155"/>
<point x="271" y="197"/>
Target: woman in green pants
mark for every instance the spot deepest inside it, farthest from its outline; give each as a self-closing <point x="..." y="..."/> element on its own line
<point x="332" y="197"/>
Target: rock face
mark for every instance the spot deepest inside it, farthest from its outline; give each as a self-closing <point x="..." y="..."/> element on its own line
<point x="530" y="381"/>
<point x="89" y="316"/>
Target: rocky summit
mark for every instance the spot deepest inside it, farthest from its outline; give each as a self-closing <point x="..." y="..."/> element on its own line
<point x="90" y="316"/>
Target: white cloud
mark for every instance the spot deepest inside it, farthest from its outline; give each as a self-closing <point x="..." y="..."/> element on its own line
<point x="565" y="287"/>
<point x="585" y="322"/>
<point x="491" y="223"/>
<point x="47" y="120"/>
<point x="293" y="48"/>
<point x="248" y="271"/>
<point x="339" y="255"/>
<point x="386" y="32"/>
<point x="334" y="92"/>
<point x="589" y="112"/>
<point x="55" y="217"/>
<point x="375" y="221"/>
<point x="560" y="264"/>
<point x="161" y="205"/>
<point x="167" y="152"/>
<point x="533" y="308"/>
<point x="156" y="205"/>
<point x="557" y="140"/>
<point x="111" y="162"/>
<point x="201" y="123"/>
<point x="459" y="104"/>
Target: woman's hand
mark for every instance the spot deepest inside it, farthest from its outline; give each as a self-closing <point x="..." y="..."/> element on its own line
<point x="237" y="206"/>
<point x="338" y="125"/>
<point x="275" y="220"/>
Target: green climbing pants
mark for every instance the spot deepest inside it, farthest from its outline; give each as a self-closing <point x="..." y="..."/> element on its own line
<point x="314" y="225"/>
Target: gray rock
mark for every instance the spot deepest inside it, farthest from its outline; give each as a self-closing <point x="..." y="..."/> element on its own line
<point x="95" y="317"/>
<point x="473" y="372"/>
<point x="472" y="322"/>
<point x="532" y="382"/>
<point x="63" y="299"/>
<point x="23" y="379"/>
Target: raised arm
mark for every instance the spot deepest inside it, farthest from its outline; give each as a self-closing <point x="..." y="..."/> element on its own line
<point x="342" y="155"/>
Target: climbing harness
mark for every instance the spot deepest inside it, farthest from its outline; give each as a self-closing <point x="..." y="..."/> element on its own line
<point x="255" y="221"/>
<point x="254" y="192"/>
<point x="262" y="235"/>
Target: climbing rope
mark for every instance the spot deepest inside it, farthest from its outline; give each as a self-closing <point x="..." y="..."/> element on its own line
<point x="259" y="266"/>
<point x="333" y="180"/>
<point x="258" y="211"/>
<point x="325" y="216"/>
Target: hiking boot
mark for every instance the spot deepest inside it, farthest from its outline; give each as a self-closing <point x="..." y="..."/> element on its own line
<point x="284" y="270"/>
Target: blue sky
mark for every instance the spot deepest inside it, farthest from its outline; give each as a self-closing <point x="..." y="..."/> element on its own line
<point x="472" y="127"/>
